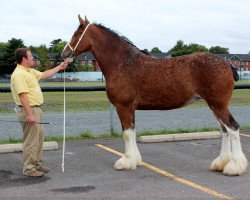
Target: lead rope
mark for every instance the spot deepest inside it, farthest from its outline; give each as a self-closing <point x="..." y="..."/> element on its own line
<point x="64" y="105"/>
<point x="73" y="50"/>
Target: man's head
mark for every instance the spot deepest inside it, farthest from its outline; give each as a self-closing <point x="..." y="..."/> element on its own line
<point x="24" y="57"/>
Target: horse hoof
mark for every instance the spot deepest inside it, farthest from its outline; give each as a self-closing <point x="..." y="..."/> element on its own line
<point x="124" y="164"/>
<point x="236" y="167"/>
<point x="219" y="163"/>
<point x="138" y="161"/>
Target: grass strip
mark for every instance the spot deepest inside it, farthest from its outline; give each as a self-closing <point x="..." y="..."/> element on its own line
<point x="90" y="135"/>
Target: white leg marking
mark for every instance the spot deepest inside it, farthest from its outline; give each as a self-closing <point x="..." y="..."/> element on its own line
<point x="129" y="160"/>
<point x="238" y="163"/>
<point x="137" y="153"/>
<point x="225" y="154"/>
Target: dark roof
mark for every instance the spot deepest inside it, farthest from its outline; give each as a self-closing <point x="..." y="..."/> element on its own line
<point x="161" y="55"/>
<point x="86" y="56"/>
<point x="241" y="57"/>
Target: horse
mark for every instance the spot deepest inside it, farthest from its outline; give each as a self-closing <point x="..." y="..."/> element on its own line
<point x="138" y="81"/>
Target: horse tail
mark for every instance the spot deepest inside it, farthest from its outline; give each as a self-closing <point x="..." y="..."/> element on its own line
<point x="235" y="72"/>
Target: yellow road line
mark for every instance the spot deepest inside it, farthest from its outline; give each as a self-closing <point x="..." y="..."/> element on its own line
<point x="165" y="173"/>
<point x="245" y="135"/>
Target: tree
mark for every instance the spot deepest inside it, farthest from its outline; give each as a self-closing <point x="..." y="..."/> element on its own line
<point x="145" y="51"/>
<point x="8" y="61"/>
<point x="77" y="66"/>
<point x="155" y="50"/>
<point x="3" y="46"/>
<point x="192" y="48"/>
<point x="43" y="57"/>
<point x="178" y="49"/>
<point x="57" y="46"/>
<point x="55" y="50"/>
<point x="54" y="42"/>
<point x="182" y="49"/>
<point x="218" y="50"/>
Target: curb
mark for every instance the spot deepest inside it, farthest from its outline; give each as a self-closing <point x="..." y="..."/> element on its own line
<point x="10" y="148"/>
<point x="179" y="137"/>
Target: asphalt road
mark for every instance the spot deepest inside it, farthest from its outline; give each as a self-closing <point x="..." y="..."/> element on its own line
<point x="173" y="170"/>
<point x="99" y="122"/>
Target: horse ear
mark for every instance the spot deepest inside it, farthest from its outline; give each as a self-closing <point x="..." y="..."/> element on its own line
<point x="80" y="19"/>
<point x="86" y="20"/>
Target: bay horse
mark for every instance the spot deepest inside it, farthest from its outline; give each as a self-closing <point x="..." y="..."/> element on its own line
<point x="136" y="81"/>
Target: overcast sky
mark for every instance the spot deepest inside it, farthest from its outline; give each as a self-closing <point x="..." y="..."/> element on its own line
<point x="147" y="23"/>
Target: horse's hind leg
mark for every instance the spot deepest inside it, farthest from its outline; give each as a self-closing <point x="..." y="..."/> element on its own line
<point x="132" y="157"/>
<point x="237" y="163"/>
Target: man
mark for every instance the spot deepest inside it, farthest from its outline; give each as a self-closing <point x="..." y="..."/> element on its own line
<point x="28" y="96"/>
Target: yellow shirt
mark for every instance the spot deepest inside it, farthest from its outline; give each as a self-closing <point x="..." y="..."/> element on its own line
<point x="25" y="80"/>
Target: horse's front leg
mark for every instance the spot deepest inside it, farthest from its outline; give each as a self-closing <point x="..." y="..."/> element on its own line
<point x="225" y="154"/>
<point x="132" y="157"/>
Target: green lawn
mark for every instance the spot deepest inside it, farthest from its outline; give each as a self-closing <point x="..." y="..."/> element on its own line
<point x="242" y="82"/>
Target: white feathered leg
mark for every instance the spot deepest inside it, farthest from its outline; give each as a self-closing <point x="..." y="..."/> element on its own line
<point x="238" y="163"/>
<point x="225" y="154"/>
<point x="137" y="153"/>
<point x="129" y="160"/>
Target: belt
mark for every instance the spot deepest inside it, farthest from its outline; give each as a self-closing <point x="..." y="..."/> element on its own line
<point x="31" y="106"/>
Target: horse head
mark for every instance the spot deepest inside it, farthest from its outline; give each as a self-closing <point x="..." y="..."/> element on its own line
<point x="79" y="42"/>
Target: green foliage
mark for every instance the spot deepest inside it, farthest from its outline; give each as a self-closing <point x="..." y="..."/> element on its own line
<point x="77" y="66"/>
<point x="183" y="49"/>
<point x="87" y="68"/>
<point x="8" y="61"/>
<point x="3" y="46"/>
<point x="41" y="54"/>
<point x="43" y="58"/>
<point x="74" y="66"/>
<point x="57" y="46"/>
<point x="56" y="41"/>
<point x="178" y="49"/>
<point x="218" y="50"/>
<point x="155" y="50"/>
<point x="55" y="50"/>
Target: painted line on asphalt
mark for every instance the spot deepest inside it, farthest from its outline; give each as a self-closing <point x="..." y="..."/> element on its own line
<point x="172" y="176"/>
<point x="245" y="135"/>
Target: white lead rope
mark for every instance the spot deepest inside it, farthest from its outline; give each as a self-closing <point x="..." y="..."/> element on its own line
<point x="73" y="50"/>
<point x="64" y="114"/>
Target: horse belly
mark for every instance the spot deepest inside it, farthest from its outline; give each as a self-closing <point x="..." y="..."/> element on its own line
<point x="162" y="102"/>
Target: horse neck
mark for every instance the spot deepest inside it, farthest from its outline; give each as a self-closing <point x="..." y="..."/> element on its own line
<point x="111" y="53"/>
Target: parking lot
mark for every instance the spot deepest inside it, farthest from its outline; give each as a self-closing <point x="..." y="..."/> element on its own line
<point x="171" y="170"/>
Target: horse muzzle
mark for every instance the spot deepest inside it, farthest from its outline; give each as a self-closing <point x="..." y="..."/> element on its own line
<point x="66" y="54"/>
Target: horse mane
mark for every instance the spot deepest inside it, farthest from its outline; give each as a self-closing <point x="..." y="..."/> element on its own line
<point x="118" y="35"/>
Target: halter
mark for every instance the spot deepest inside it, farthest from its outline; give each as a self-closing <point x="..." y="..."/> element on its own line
<point x="78" y="42"/>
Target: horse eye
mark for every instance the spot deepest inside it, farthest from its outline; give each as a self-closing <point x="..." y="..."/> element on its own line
<point x="76" y="33"/>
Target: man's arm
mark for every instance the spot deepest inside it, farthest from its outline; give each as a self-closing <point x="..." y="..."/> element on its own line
<point x="25" y="103"/>
<point x="51" y="72"/>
